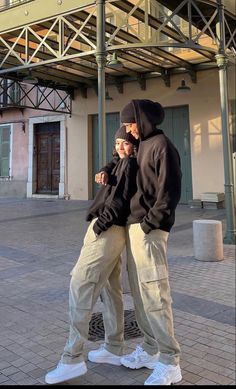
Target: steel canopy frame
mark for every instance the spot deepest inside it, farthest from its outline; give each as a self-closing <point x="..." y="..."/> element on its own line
<point x="70" y="38"/>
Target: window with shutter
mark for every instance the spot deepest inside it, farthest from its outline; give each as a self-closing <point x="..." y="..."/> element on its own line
<point x="5" y="132"/>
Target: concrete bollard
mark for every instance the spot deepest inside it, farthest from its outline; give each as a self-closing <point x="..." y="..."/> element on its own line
<point x="208" y="240"/>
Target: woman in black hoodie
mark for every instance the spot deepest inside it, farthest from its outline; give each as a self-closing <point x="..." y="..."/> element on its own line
<point x="99" y="266"/>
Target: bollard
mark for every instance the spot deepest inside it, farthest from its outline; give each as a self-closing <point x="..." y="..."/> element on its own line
<point x="208" y="240"/>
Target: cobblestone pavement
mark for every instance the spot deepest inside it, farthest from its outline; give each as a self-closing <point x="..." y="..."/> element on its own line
<point x="39" y="244"/>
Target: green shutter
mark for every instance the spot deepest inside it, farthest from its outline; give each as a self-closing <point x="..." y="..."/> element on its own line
<point x="176" y="127"/>
<point x="4" y="150"/>
<point x="112" y="124"/>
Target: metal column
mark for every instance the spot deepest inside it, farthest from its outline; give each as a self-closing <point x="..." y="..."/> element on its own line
<point x="230" y="236"/>
<point x="101" y="61"/>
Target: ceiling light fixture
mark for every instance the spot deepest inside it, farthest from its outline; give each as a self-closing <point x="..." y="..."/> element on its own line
<point x="114" y="62"/>
<point x="29" y="79"/>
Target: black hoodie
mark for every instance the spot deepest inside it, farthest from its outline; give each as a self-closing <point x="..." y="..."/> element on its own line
<point x="111" y="204"/>
<point x="159" y="174"/>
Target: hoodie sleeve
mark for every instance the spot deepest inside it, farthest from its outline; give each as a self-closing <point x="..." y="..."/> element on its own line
<point x="168" y="189"/>
<point x="119" y="205"/>
<point x="110" y="165"/>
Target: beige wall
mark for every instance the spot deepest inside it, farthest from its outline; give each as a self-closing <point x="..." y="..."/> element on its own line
<point x="205" y="127"/>
<point x="205" y="130"/>
<point x="77" y="128"/>
<point x="19" y="154"/>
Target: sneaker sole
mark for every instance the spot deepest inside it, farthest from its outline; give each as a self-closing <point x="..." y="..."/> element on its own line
<point x="150" y="366"/>
<point x="175" y="380"/>
<point x="75" y="374"/>
<point x="110" y="361"/>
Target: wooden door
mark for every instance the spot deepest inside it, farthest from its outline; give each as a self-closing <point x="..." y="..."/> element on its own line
<point x="48" y="157"/>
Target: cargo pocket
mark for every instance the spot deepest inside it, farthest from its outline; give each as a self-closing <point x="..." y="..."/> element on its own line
<point x="152" y="280"/>
<point x="83" y="284"/>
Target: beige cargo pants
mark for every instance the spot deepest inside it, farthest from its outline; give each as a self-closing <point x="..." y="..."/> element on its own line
<point x="99" y="265"/>
<point x="149" y="284"/>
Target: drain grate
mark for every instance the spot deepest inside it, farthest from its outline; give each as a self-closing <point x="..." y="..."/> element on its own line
<point x="96" y="327"/>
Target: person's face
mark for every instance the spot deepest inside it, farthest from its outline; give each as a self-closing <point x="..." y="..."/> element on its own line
<point x="132" y="128"/>
<point x="123" y="147"/>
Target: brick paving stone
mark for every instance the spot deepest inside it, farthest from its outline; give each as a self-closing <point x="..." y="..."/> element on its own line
<point x="217" y="378"/>
<point x="187" y="342"/>
<point x="228" y="356"/>
<point x="53" y="357"/>
<point x="37" y="372"/>
<point x="205" y="381"/>
<point x="3" y="378"/>
<point x="34" y="298"/>
<point x="191" y="377"/>
<point x="8" y="382"/>
<point x="94" y="378"/>
<point x="193" y="369"/>
<point x="8" y="357"/>
<point x="5" y="342"/>
<point x="37" y="359"/>
<point x="10" y="370"/>
<point x="46" y="365"/>
<point x="27" y="381"/>
<point x="27" y="367"/>
<point x="184" y="383"/>
<point x="45" y="352"/>
<point x="192" y="351"/>
<point x="4" y="364"/>
<point x="18" y="376"/>
<point x="232" y="375"/>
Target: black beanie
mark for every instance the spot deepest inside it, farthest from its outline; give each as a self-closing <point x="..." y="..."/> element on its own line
<point x="122" y="134"/>
<point x="127" y="114"/>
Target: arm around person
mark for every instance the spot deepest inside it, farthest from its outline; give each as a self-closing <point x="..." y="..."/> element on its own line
<point x="117" y="207"/>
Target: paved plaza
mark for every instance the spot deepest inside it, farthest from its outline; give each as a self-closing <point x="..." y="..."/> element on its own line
<point x="40" y="241"/>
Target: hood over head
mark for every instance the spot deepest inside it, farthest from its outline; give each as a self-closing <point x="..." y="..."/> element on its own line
<point x="146" y="113"/>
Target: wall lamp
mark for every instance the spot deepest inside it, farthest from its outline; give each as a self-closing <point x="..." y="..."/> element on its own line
<point x="107" y="96"/>
<point x="183" y="87"/>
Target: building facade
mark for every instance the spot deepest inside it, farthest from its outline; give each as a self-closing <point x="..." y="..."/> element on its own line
<point x="55" y="153"/>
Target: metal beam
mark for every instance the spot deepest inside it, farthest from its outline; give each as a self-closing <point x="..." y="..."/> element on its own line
<point x="101" y="61"/>
<point x="32" y="12"/>
<point x="221" y="59"/>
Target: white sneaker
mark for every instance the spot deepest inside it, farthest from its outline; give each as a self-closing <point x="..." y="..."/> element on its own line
<point x="64" y="372"/>
<point x="102" y="355"/>
<point x="164" y="375"/>
<point x="139" y="358"/>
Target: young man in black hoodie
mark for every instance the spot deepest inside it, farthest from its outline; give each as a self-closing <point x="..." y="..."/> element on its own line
<point x="98" y="268"/>
<point x="152" y="216"/>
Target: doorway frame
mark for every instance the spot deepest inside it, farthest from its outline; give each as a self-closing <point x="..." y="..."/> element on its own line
<point x="31" y="183"/>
